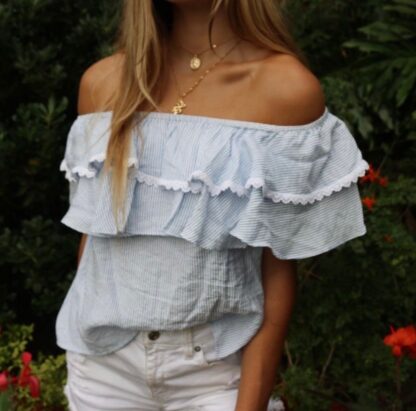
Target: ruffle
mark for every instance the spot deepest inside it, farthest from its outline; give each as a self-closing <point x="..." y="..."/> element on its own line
<point x="237" y="189"/>
<point x="222" y="183"/>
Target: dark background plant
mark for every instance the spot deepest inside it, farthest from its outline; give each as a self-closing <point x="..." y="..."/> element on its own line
<point x="364" y="54"/>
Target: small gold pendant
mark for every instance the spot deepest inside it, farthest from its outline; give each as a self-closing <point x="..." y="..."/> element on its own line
<point x="195" y="62"/>
<point x="178" y="107"/>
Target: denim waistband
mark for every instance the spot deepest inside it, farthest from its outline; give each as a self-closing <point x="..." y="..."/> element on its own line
<point x="191" y="337"/>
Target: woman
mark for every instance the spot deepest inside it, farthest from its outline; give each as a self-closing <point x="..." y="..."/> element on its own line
<point x="203" y="163"/>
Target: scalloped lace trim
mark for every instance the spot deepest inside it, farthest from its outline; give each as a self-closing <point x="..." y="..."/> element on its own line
<point x="82" y="171"/>
<point x="215" y="190"/>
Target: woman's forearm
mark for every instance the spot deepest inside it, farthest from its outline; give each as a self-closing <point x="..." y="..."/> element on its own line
<point x="260" y="361"/>
<point x="261" y="356"/>
<point x="81" y="247"/>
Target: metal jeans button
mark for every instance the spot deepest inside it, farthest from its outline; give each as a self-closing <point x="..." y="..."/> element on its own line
<point x="153" y="335"/>
<point x="197" y="348"/>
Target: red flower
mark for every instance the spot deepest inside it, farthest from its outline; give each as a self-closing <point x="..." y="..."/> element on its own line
<point x="4" y="381"/>
<point x="369" y="202"/>
<point x="25" y="372"/>
<point x="383" y="181"/>
<point x="26" y="378"/>
<point x="371" y="175"/>
<point x="26" y="358"/>
<point x="34" y="386"/>
<point x="402" y="341"/>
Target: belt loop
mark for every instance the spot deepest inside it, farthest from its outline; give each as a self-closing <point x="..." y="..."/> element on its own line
<point x="189" y="348"/>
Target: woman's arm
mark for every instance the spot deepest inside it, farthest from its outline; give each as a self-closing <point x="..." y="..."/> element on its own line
<point x="294" y="96"/>
<point x="81" y="246"/>
<point x="96" y="87"/>
<point x="261" y="356"/>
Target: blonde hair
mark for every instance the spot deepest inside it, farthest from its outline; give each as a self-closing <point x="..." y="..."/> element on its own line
<point x="144" y="30"/>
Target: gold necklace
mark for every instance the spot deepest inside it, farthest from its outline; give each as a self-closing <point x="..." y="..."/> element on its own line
<point x="180" y="104"/>
<point x="195" y="62"/>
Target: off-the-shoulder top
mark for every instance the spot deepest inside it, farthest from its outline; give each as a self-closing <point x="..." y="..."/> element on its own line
<point x="204" y="196"/>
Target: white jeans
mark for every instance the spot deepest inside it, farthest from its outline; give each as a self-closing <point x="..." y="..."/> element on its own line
<point x="157" y="370"/>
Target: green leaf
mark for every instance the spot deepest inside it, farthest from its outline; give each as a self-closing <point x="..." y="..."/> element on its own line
<point x="386" y="117"/>
<point x="402" y="9"/>
<point x="406" y="85"/>
<point x="5" y="402"/>
<point x="387" y="32"/>
<point x="410" y="3"/>
<point x="368" y="47"/>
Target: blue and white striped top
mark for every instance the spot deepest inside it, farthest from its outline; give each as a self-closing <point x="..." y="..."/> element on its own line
<point x="204" y="196"/>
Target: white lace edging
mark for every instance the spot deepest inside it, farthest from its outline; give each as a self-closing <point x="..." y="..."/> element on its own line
<point x="83" y="171"/>
<point x="215" y="190"/>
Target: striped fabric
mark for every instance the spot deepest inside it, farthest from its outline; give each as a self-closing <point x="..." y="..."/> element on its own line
<point x="204" y="196"/>
<point x="159" y="283"/>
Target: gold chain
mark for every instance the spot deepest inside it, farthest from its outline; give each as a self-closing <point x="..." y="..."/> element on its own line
<point x="180" y="104"/>
<point x="200" y="53"/>
<point x="195" y="61"/>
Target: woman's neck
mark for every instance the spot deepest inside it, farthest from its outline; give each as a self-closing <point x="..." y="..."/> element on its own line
<point x="190" y="25"/>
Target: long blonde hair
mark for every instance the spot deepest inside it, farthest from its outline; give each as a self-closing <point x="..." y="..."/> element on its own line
<point x="144" y="30"/>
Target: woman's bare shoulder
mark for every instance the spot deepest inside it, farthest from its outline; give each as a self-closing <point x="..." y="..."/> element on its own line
<point x="98" y="84"/>
<point x="293" y="95"/>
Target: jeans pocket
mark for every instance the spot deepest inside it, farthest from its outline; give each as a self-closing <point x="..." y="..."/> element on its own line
<point x="229" y="367"/>
<point x="231" y="359"/>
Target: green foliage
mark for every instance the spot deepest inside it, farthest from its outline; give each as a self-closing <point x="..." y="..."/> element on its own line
<point x="321" y="26"/>
<point x="389" y="54"/>
<point x="5" y="403"/>
<point x="47" y="48"/>
<point x="298" y="380"/>
<point x="348" y="297"/>
<point x="13" y="341"/>
<point x="381" y="81"/>
<point x="49" y="369"/>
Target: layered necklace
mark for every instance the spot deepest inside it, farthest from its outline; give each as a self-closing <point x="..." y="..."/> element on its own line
<point x="195" y="62"/>
<point x="180" y="104"/>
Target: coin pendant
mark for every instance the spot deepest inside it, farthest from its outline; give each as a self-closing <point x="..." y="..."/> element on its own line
<point x="195" y="63"/>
